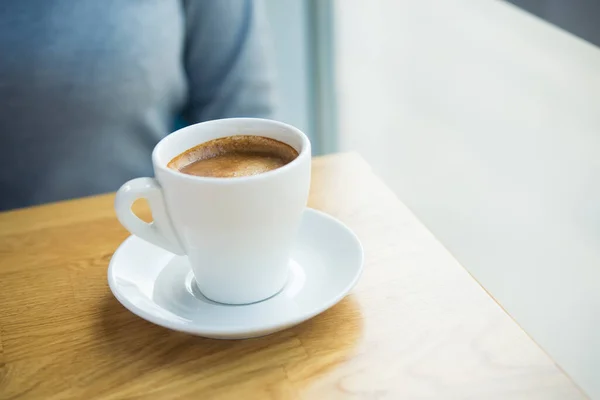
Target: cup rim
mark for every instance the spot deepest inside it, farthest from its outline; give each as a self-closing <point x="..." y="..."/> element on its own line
<point x="304" y="152"/>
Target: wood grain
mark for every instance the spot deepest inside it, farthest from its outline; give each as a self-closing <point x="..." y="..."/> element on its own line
<point x="416" y="326"/>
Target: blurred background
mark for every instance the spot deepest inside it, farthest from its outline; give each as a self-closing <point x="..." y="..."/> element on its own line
<point x="303" y="40"/>
<point x="307" y="36"/>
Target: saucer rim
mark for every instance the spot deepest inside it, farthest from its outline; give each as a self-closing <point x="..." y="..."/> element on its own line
<point x="203" y="330"/>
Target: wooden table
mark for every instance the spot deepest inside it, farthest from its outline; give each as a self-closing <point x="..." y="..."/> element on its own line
<point x="416" y="326"/>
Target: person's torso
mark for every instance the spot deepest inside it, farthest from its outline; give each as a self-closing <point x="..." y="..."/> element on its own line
<point x="87" y="88"/>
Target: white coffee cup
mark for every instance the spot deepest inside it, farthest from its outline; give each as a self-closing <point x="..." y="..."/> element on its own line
<point x="236" y="232"/>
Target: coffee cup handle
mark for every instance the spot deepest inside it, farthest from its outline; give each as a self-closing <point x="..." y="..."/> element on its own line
<point x="160" y="231"/>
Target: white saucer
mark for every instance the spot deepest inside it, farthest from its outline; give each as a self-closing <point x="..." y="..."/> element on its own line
<point x="159" y="286"/>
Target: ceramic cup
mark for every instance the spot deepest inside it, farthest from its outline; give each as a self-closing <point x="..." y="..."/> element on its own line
<point x="236" y="232"/>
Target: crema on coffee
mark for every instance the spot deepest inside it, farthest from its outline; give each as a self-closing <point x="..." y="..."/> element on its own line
<point x="234" y="156"/>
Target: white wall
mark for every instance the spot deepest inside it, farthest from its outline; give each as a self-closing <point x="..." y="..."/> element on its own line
<point x="287" y="19"/>
<point x="485" y="122"/>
